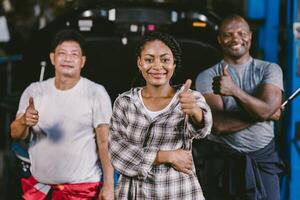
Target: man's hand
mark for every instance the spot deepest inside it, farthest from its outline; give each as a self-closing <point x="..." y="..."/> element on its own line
<point x="182" y="160"/>
<point x="276" y="116"/>
<point x="20" y="126"/>
<point x="31" y="116"/>
<point x="106" y="193"/>
<point x="223" y="85"/>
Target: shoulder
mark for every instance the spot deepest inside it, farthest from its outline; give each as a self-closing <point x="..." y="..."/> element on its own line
<point x="213" y="69"/>
<point x="122" y="101"/>
<point x="209" y="72"/>
<point x="266" y="65"/>
<point x="92" y="86"/>
<point x="203" y="82"/>
<point x="47" y="82"/>
<point x="40" y="86"/>
<point x="89" y="83"/>
<point x="130" y="94"/>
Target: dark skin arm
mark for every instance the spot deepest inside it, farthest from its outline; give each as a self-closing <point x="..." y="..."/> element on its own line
<point x="182" y="160"/>
<point x="264" y="104"/>
<point x="276" y="116"/>
<point x="260" y="107"/>
<point x="224" y="122"/>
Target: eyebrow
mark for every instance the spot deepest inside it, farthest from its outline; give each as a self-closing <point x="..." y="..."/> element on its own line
<point x="165" y="54"/>
<point x="72" y="51"/>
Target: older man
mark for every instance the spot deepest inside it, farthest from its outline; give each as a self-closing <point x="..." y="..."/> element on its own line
<point x="68" y="117"/>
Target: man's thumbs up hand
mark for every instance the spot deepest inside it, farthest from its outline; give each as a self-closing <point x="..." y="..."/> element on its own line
<point x="31" y="103"/>
<point x="225" y="70"/>
<point x="224" y="85"/>
<point x="31" y="116"/>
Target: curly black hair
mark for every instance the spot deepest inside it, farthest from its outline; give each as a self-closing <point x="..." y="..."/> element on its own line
<point x="167" y="39"/>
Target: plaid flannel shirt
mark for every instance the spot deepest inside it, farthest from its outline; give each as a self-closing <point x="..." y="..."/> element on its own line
<point x="135" y="139"/>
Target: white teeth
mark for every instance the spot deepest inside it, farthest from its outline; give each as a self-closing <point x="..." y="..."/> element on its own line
<point x="236" y="46"/>
<point x="157" y="75"/>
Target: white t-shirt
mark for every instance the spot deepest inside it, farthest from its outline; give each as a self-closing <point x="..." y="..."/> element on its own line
<point x="153" y="114"/>
<point x="63" y="148"/>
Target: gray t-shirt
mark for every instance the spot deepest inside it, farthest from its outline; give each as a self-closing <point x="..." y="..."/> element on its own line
<point x="248" y="77"/>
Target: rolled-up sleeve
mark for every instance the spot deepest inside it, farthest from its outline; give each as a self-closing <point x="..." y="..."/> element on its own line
<point x="207" y="118"/>
<point x="127" y="158"/>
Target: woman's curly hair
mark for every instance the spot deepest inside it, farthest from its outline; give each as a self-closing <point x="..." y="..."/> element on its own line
<point x="167" y="39"/>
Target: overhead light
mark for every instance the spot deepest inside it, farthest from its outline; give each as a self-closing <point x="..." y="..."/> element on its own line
<point x="151" y="27"/>
<point x="85" y="25"/>
<point x="202" y="18"/>
<point x="174" y="16"/>
<point x="199" y="24"/>
<point x="133" y="28"/>
<point x="87" y="13"/>
<point x="112" y="14"/>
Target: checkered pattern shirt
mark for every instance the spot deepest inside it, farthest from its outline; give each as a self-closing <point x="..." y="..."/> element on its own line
<point x="135" y="139"/>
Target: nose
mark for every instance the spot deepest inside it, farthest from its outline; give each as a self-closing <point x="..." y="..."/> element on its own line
<point x="233" y="39"/>
<point x="157" y="64"/>
<point x="68" y="57"/>
<point x="234" y="36"/>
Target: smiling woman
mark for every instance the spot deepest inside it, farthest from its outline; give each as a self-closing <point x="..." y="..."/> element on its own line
<point x="156" y="63"/>
<point x="152" y="128"/>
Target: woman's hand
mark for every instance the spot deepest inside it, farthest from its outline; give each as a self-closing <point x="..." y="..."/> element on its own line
<point x="182" y="160"/>
<point x="189" y="105"/>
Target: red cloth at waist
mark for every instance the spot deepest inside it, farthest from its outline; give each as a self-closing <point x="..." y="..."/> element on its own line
<point x="33" y="190"/>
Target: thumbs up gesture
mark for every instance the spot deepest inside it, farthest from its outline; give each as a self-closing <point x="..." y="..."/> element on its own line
<point x="224" y="85"/>
<point x="31" y="116"/>
<point x="225" y="71"/>
<point x="187" y="99"/>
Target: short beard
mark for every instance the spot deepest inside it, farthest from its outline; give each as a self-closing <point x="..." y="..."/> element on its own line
<point x="236" y="55"/>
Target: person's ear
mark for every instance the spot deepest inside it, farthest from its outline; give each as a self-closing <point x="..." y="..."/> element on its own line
<point x="139" y="63"/>
<point x="219" y="39"/>
<point x="250" y="35"/>
<point x="83" y="60"/>
<point x="52" y="58"/>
